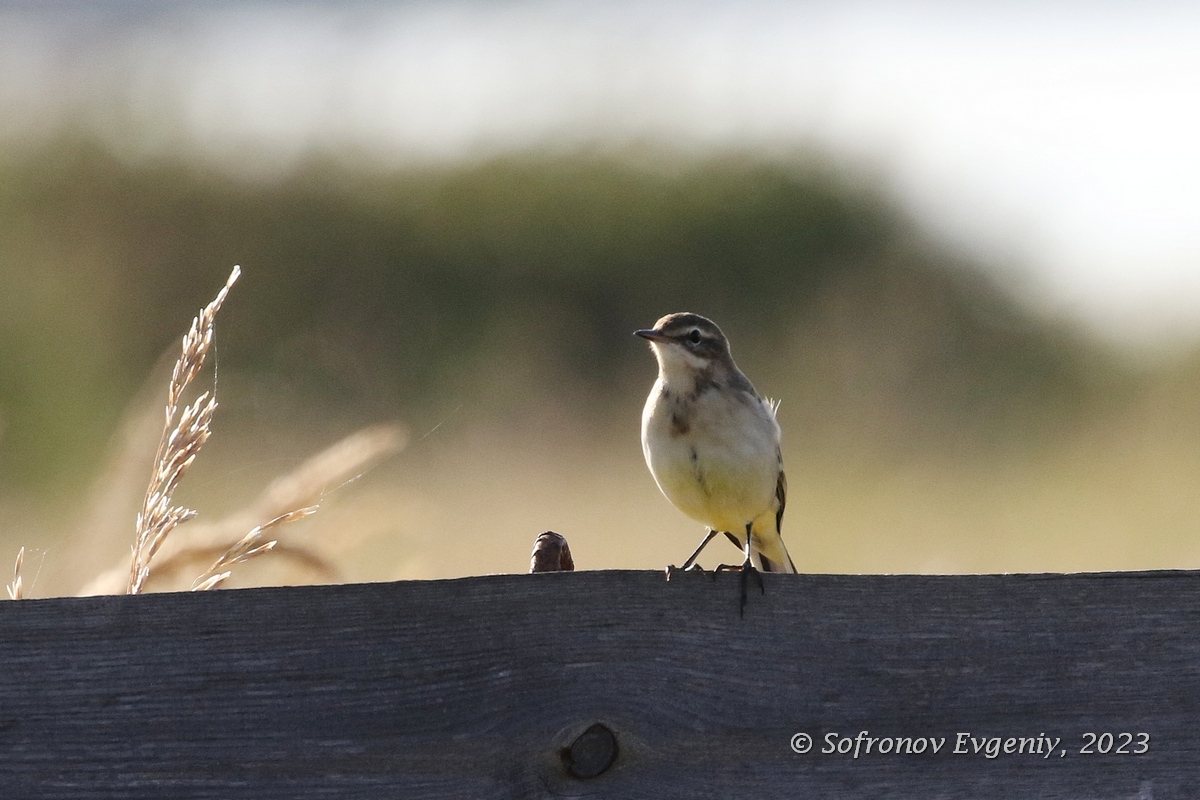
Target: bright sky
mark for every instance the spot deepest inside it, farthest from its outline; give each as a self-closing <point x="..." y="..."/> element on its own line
<point x="1059" y="135"/>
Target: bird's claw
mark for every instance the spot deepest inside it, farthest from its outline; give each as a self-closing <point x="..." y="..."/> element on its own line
<point x="748" y="570"/>
<point x="672" y="569"/>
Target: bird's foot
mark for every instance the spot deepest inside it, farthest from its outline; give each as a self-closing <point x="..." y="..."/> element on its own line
<point x="747" y="570"/>
<point x="672" y="569"/>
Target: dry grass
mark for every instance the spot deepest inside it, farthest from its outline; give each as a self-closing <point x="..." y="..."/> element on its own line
<point x="180" y="443"/>
<point x="252" y="544"/>
<point x="15" y="590"/>
<point x="184" y="434"/>
<point x="302" y="488"/>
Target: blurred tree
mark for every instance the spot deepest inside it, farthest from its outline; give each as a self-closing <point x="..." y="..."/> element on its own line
<point x="376" y="292"/>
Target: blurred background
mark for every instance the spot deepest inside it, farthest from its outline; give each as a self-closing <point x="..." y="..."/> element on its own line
<point x="958" y="241"/>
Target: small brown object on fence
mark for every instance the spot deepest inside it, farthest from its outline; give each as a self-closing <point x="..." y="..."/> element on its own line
<point x="551" y="553"/>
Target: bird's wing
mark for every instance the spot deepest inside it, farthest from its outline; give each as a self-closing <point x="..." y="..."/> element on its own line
<point x="781" y="496"/>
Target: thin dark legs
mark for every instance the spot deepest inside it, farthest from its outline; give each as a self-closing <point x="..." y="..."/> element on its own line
<point x="692" y="558"/>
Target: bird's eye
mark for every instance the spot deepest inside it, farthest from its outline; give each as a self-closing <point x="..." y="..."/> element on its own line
<point x="694" y="336"/>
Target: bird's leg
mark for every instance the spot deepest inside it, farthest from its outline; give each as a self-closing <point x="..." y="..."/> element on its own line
<point x="748" y="569"/>
<point x="732" y="567"/>
<point x="691" y="564"/>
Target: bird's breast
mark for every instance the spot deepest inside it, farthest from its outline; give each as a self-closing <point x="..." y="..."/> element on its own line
<point x="714" y="455"/>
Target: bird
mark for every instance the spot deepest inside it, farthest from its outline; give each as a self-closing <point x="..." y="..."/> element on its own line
<point x="712" y="442"/>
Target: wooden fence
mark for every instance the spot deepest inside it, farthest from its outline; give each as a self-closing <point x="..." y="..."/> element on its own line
<point x="612" y="685"/>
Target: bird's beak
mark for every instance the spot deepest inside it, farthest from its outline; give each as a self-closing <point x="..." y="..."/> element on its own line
<point x="652" y="335"/>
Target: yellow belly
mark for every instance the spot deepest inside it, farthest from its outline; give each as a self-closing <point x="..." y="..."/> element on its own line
<point x="722" y="498"/>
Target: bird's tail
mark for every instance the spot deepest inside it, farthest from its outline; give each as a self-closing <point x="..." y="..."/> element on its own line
<point x="769" y="554"/>
<point x="767" y="551"/>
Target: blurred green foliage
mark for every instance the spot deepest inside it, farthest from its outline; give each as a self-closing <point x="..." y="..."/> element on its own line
<point x="514" y="283"/>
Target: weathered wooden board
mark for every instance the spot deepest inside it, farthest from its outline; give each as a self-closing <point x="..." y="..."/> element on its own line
<point x="473" y="688"/>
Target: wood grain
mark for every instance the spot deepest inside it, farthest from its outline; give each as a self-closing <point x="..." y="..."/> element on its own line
<point x="474" y="688"/>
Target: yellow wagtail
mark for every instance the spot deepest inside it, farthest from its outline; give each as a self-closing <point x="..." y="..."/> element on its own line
<point x="712" y="442"/>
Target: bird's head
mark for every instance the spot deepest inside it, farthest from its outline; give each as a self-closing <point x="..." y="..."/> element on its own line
<point x="687" y="344"/>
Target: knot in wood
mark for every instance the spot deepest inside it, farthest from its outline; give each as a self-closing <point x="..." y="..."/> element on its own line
<point x="592" y="753"/>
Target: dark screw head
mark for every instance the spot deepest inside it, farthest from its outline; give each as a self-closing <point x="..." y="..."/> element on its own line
<point x="592" y="753"/>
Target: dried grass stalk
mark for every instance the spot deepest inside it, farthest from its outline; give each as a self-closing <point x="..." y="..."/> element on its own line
<point x="340" y="463"/>
<point x="179" y="445"/>
<point x="169" y="565"/>
<point x="336" y="465"/>
<point x="15" y="589"/>
<point x="252" y="544"/>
